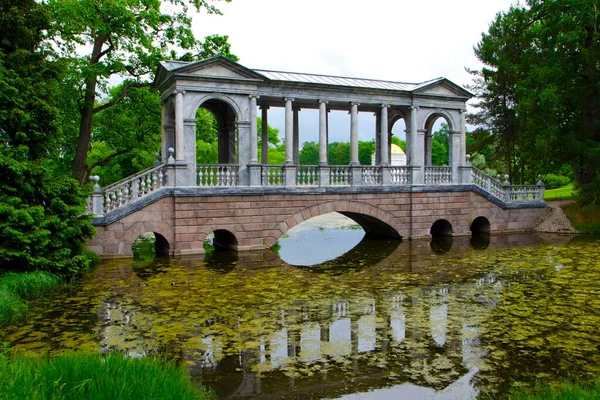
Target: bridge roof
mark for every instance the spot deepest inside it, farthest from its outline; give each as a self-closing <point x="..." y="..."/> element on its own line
<point x="177" y="67"/>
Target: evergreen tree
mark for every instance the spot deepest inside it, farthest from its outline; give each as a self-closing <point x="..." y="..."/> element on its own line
<point x="42" y="222"/>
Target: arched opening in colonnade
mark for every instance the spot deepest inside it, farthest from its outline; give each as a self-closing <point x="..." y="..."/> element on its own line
<point x="216" y="134"/>
<point x="437" y="148"/>
<point x="398" y="137"/>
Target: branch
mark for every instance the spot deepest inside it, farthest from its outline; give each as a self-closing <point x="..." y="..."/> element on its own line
<point x="107" y="159"/>
<point x="121" y="96"/>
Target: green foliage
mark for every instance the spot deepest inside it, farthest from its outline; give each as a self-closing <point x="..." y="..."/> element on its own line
<point x="272" y="134"/>
<point x="17" y="287"/>
<point x="584" y="218"/>
<point x="91" y="376"/>
<point x="399" y="142"/>
<point x="42" y="222"/>
<point x="30" y="285"/>
<point x="564" y="391"/>
<point x="439" y="146"/>
<point x="563" y="193"/>
<point x="309" y="154"/>
<point x="539" y="91"/>
<point x="339" y="153"/>
<point x="365" y="150"/>
<point x="552" y="181"/>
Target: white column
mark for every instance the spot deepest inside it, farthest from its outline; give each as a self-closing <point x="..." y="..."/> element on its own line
<point x="179" y="145"/>
<point x="354" y="134"/>
<point x="413" y="136"/>
<point x="322" y="132"/>
<point x="253" y="131"/>
<point x="163" y="132"/>
<point x="377" y="139"/>
<point x="264" y="135"/>
<point x="463" y="136"/>
<point x="289" y="131"/>
<point x="385" y="161"/>
<point x="296" y="135"/>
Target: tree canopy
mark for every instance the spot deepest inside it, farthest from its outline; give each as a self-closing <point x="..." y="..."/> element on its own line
<point x="538" y="91"/>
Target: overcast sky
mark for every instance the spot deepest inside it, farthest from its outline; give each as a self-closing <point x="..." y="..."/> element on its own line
<point x="398" y="40"/>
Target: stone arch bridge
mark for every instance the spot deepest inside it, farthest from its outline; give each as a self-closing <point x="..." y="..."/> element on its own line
<point x="248" y="204"/>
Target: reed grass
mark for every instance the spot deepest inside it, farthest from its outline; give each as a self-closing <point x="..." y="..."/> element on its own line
<point x="92" y="376"/>
<point x="16" y="288"/>
<point x="563" y="391"/>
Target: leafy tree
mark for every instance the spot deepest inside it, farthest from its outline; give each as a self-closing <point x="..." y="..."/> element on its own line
<point x="127" y="39"/>
<point x="339" y="153"/>
<point x="42" y="222"/>
<point x="309" y="154"/>
<point x="365" y="150"/>
<point x="399" y="142"/>
<point x="439" y="146"/>
<point x="539" y="90"/>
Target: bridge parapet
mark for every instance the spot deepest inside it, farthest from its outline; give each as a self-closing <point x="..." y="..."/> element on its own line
<point x="221" y="176"/>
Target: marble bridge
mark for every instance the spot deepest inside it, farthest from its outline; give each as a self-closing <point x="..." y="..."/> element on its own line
<point x="249" y="203"/>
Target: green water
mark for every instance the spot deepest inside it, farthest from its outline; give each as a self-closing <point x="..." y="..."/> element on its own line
<point x="451" y="319"/>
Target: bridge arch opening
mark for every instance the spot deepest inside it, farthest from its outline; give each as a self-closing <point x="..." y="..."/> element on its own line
<point x="216" y="136"/>
<point x="441" y="227"/>
<point x="480" y="225"/>
<point x="223" y="240"/>
<point x="438" y="151"/>
<point x="150" y="245"/>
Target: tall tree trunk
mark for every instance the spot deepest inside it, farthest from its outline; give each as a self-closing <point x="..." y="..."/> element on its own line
<point x="590" y="102"/>
<point x="80" y="167"/>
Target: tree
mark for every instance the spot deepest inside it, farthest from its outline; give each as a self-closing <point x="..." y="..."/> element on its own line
<point x="126" y="38"/>
<point x="309" y="155"/>
<point x="42" y="221"/>
<point x="539" y="90"/>
<point x="439" y="146"/>
<point x="365" y="151"/>
<point x="339" y="153"/>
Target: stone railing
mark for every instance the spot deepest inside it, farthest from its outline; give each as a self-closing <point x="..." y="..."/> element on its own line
<point x="487" y="183"/>
<point x="507" y="192"/>
<point x="307" y="175"/>
<point x="220" y="175"/>
<point x="400" y="175"/>
<point x="340" y="175"/>
<point x="127" y="190"/>
<point x="438" y="175"/>
<point x="372" y="176"/>
<point x="273" y="175"/>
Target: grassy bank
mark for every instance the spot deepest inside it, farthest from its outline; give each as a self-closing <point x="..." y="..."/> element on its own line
<point x="17" y="288"/>
<point x="561" y="193"/>
<point x="91" y="376"/>
<point x="584" y="219"/>
<point x="564" y="391"/>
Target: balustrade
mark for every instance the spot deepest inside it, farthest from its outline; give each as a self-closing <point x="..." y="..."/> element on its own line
<point x="224" y="175"/>
<point x="438" y="175"/>
<point x="130" y="189"/>
<point x="340" y="175"/>
<point x="273" y="175"/>
<point x="307" y="176"/>
<point x="400" y="175"/>
<point x="371" y="176"/>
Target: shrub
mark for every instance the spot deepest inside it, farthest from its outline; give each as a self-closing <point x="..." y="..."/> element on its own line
<point x="552" y="181"/>
<point x="12" y="307"/>
<point x="29" y="285"/>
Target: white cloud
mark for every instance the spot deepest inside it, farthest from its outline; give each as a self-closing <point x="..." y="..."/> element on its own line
<point x="399" y="40"/>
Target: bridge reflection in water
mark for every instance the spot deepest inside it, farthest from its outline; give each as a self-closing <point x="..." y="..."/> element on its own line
<point x="416" y="336"/>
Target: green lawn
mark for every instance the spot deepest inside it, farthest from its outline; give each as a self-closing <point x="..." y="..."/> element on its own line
<point x="563" y="391"/>
<point x="561" y="193"/>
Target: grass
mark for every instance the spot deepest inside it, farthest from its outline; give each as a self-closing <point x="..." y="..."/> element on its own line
<point x="584" y="219"/>
<point x="16" y="288"/>
<point x="91" y="376"/>
<point x="563" y="391"/>
<point x="561" y="193"/>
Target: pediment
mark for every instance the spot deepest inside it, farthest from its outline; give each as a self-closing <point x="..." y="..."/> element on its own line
<point x="219" y="67"/>
<point x="443" y="87"/>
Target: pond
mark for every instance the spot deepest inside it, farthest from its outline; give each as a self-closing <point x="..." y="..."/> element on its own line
<point x="454" y="318"/>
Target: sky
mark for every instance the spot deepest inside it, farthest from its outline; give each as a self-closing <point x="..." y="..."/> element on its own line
<point x="397" y="40"/>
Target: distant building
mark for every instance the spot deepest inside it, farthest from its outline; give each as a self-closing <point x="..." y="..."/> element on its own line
<point x="398" y="156"/>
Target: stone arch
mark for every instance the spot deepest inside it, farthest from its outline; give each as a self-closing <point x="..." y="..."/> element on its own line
<point x="199" y="100"/>
<point x="441" y="227"/>
<point x="480" y="225"/>
<point x="225" y="240"/>
<point x="227" y="113"/>
<point x="162" y="231"/>
<point x="429" y="117"/>
<point x="374" y="221"/>
<point x="428" y="122"/>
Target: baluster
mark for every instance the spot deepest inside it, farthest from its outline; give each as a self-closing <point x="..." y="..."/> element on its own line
<point x="161" y="177"/>
<point x="114" y="200"/>
<point x="107" y="203"/>
<point x="200" y="176"/>
<point x="227" y="176"/>
<point x="142" y="186"/>
<point x="126" y="195"/>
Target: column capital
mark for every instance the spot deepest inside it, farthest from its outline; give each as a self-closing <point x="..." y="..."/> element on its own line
<point x="254" y="96"/>
<point x="416" y="108"/>
<point x="321" y="101"/>
<point x="384" y="105"/>
<point x="354" y="103"/>
<point x="286" y="99"/>
<point x="182" y="92"/>
<point x="264" y="107"/>
<point x="422" y="131"/>
<point x="296" y="108"/>
<point x="462" y="111"/>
